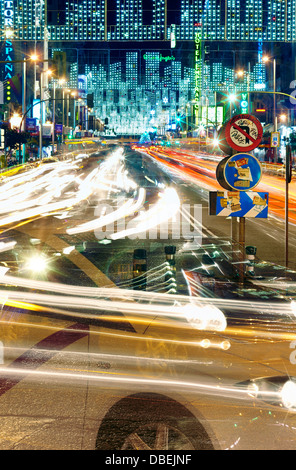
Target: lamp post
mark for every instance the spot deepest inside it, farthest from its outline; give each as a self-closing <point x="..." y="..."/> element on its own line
<point x="284" y="119"/>
<point x="67" y="110"/>
<point x="24" y="99"/>
<point x="242" y="73"/>
<point x="63" y="112"/>
<point x="60" y="82"/>
<point x="53" y="114"/>
<point x="267" y="59"/>
<point x="231" y="98"/>
<point x="74" y="94"/>
<point x="47" y="72"/>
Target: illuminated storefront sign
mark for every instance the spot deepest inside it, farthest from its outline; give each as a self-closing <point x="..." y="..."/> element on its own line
<point x="198" y="71"/>
<point x="8" y="47"/>
<point x="8" y="13"/>
<point x="212" y="115"/>
<point x="244" y="104"/>
<point x="159" y="57"/>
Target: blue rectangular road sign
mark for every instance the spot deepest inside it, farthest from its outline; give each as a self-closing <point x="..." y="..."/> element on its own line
<point x="239" y="204"/>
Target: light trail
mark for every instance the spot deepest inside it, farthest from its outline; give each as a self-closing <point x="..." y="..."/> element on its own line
<point x="164" y="210"/>
<point x="203" y="317"/>
<point x="120" y="378"/>
<point x="201" y="170"/>
<point x="278" y="308"/>
<point x="128" y="208"/>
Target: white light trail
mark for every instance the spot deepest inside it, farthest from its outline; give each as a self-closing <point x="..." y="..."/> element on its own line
<point x="208" y="319"/>
<point x="128" y="208"/>
<point x="103" y="376"/>
<point x="165" y="209"/>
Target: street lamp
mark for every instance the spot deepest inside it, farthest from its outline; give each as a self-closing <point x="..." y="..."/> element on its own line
<point x="265" y="60"/>
<point x="33" y="58"/>
<point x="231" y="98"/>
<point x="63" y="112"/>
<point x="15" y="121"/>
<point x="60" y="82"/>
<point x="74" y="94"/>
<point x="47" y="72"/>
<point x="241" y="74"/>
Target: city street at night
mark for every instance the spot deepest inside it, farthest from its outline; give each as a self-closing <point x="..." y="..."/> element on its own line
<point x="147" y="228"/>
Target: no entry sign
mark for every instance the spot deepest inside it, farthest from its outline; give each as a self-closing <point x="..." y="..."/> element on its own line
<point x="243" y="132"/>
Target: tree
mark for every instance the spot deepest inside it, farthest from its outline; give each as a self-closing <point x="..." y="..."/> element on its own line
<point x="14" y="138"/>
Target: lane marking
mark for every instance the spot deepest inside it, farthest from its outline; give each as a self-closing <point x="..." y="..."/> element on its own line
<point x="50" y="346"/>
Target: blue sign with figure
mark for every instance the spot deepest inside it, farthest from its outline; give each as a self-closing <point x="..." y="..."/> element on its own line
<point x="241" y="172"/>
<point x="239" y="204"/>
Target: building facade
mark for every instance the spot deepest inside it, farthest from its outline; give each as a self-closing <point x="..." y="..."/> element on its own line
<point x="138" y="20"/>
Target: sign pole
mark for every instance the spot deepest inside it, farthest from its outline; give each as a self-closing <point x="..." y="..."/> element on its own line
<point x="234" y="241"/>
<point x="242" y="242"/>
<point x="288" y="180"/>
<point x="234" y="236"/>
<point x="287" y="225"/>
<point x="238" y="175"/>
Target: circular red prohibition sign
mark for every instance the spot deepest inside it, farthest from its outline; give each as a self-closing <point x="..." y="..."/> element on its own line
<point x="243" y="132"/>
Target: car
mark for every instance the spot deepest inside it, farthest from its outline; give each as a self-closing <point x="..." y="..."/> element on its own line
<point x="111" y="368"/>
<point x="100" y="351"/>
<point x="49" y="160"/>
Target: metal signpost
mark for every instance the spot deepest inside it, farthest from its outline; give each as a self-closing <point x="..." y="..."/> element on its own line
<point x="288" y="181"/>
<point x="239" y="174"/>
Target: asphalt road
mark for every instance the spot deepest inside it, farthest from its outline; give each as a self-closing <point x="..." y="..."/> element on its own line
<point x="198" y="178"/>
<point x="83" y="367"/>
<point x="104" y="255"/>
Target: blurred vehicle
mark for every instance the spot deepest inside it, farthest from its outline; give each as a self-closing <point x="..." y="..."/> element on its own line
<point x="49" y="160"/>
<point x="114" y="367"/>
<point x="107" y="368"/>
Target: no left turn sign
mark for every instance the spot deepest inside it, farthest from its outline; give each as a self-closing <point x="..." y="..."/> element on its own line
<point x="243" y="132"/>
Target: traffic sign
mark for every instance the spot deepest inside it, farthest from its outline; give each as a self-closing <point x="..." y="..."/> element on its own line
<point x="249" y="204"/>
<point x="59" y="128"/>
<point x="243" y="132"/>
<point x="241" y="172"/>
<point x="275" y="139"/>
